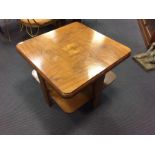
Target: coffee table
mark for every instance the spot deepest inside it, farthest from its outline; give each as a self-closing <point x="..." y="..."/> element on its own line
<point x="73" y="64"/>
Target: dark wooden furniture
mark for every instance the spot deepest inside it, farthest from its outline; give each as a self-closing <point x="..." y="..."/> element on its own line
<point x="73" y="63"/>
<point x="147" y="27"/>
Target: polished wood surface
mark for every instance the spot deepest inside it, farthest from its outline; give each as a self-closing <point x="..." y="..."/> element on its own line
<point x="72" y="57"/>
<point x="147" y="27"/>
<point x="109" y="78"/>
<point x="92" y="92"/>
<point x="73" y="103"/>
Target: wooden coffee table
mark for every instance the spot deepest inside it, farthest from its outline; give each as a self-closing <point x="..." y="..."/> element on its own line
<point x="73" y="64"/>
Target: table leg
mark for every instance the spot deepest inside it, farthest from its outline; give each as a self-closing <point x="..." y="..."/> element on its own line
<point x="97" y="89"/>
<point x="71" y="104"/>
<point x="100" y="84"/>
<point x="44" y="90"/>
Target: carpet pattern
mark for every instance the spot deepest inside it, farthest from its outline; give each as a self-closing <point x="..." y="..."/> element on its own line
<point x="128" y="105"/>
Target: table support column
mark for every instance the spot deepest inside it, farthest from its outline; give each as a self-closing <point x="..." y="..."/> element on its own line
<point x="97" y="90"/>
<point x="44" y="90"/>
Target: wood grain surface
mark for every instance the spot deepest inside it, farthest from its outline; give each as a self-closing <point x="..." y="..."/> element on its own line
<point x="72" y="57"/>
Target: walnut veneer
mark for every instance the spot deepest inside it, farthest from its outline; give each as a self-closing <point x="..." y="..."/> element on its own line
<point x="71" y="59"/>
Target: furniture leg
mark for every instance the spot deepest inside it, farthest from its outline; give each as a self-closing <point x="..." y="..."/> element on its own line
<point x="97" y="89"/>
<point x="100" y="84"/>
<point x="44" y="90"/>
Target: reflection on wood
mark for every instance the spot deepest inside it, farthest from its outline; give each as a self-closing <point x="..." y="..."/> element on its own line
<point x="72" y="57"/>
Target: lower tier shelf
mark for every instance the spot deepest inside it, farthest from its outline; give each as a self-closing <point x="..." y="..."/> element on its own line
<point x="73" y="103"/>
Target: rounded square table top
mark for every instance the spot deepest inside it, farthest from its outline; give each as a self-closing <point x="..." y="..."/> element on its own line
<point x="73" y="56"/>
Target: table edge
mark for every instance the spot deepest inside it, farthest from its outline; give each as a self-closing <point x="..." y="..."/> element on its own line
<point x="74" y="92"/>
